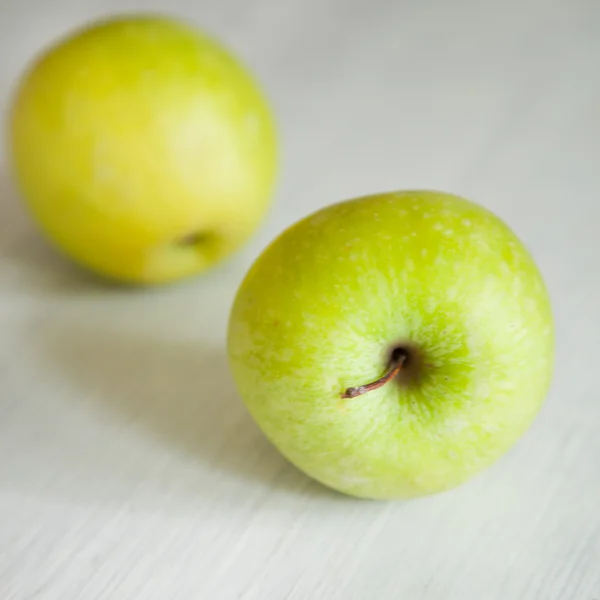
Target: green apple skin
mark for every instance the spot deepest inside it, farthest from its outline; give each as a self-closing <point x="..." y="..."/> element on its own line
<point x="325" y="304"/>
<point x="143" y="148"/>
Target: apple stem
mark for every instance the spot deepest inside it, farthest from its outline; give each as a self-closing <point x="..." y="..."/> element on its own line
<point x="396" y="363"/>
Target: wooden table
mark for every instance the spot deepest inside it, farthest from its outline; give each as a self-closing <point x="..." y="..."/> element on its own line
<point x="129" y="468"/>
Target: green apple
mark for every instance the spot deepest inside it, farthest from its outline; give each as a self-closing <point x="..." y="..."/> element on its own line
<point x="393" y="345"/>
<point x="143" y="148"/>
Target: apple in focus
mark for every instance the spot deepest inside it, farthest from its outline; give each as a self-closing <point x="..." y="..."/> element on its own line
<point x="394" y="345"/>
<point x="143" y="149"/>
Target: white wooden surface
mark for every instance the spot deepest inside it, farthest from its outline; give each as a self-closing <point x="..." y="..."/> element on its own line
<point x="128" y="466"/>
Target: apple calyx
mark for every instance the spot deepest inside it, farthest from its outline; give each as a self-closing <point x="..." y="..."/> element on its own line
<point x="397" y="360"/>
<point x="193" y="239"/>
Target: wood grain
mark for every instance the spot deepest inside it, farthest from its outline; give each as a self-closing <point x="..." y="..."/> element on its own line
<point x="129" y="468"/>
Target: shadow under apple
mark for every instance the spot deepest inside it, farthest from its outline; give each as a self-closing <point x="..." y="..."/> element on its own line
<point x="178" y="396"/>
<point x="119" y="356"/>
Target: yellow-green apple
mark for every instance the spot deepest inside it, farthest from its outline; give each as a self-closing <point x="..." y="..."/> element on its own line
<point x="393" y="345"/>
<point x="143" y="148"/>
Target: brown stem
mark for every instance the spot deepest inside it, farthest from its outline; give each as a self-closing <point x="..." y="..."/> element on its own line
<point x="396" y="362"/>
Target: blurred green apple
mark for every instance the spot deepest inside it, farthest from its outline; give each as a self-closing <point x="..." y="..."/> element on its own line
<point x="144" y="150"/>
<point x="394" y="345"/>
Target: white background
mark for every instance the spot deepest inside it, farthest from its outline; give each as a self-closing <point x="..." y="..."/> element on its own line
<point x="129" y="468"/>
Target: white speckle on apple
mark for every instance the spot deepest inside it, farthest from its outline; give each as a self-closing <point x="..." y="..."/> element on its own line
<point x="483" y="390"/>
<point x="354" y="480"/>
<point x="437" y="226"/>
<point x="318" y="218"/>
<point x="504" y="386"/>
<point x="449" y="232"/>
<point x="530" y="304"/>
<point x="426" y="215"/>
<point x="466" y="222"/>
<point x="424" y="252"/>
